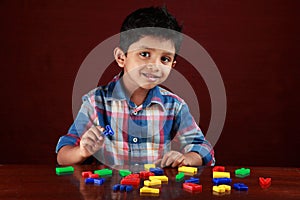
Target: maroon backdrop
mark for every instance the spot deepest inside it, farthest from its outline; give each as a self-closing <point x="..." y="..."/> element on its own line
<point x="255" y="45"/>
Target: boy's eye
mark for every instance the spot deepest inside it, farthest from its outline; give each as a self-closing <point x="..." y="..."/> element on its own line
<point x="145" y="54"/>
<point x="165" y="59"/>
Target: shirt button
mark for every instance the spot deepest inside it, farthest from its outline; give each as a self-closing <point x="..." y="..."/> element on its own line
<point x="135" y="140"/>
<point x="134" y="113"/>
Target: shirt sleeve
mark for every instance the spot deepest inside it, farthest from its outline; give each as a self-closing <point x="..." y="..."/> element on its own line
<point x="86" y="118"/>
<point x="190" y="136"/>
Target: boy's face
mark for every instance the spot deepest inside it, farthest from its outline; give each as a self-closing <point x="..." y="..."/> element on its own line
<point x="148" y="62"/>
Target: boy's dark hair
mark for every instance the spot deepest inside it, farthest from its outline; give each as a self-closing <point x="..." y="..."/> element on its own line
<point x="153" y="21"/>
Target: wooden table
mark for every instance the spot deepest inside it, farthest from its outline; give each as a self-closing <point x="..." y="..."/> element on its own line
<point x="41" y="182"/>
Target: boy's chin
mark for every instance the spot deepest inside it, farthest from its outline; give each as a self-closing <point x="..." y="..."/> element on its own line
<point x="148" y="86"/>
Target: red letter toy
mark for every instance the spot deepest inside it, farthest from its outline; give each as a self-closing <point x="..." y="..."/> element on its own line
<point x="192" y="187"/>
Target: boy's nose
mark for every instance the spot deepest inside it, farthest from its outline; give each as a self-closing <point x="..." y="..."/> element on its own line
<point x="153" y="67"/>
<point x="154" y="64"/>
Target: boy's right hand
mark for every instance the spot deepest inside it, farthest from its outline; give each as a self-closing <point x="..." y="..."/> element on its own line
<point x="91" y="141"/>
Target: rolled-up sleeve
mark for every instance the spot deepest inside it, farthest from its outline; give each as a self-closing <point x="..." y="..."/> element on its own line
<point x="190" y="136"/>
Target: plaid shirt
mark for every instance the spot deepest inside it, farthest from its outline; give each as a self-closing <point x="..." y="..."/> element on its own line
<point x="143" y="134"/>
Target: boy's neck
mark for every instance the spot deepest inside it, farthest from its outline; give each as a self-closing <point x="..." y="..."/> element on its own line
<point x="139" y="96"/>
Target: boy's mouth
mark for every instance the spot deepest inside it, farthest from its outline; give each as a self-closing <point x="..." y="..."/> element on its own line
<point x="151" y="77"/>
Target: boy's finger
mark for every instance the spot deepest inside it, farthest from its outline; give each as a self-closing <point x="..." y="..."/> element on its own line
<point x="164" y="159"/>
<point x="100" y="128"/>
<point x="173" y="157"/>
<point x="183" y="163"/>
<point x="170" y="160"/>
<point x="97" y="137"/>
<point x="97" y="134"/>
<point x="178" y="161"/>
<point x="91" y="135"/>
<point x="95" y="130"/>
<point x="158" y="161"/>
<point x="91" y="146"/>
<point x="85" y="141"/>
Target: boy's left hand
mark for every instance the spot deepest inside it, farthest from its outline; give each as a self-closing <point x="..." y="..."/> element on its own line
<point x="177" y="159"/>
<point x="173" y="159"/>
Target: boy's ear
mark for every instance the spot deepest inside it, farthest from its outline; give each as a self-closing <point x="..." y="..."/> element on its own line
<point x="174" y="63"/>
<point x="120" y="56"/>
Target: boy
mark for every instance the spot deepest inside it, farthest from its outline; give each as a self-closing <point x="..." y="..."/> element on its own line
<point x="150" y="124"/>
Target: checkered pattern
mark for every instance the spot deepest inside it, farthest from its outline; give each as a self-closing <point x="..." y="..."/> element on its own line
<point x="143" y="134"/>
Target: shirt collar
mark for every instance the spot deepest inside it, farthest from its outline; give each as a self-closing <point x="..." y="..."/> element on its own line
<point x="154" y="97"/>
<point x="116" y="92"/>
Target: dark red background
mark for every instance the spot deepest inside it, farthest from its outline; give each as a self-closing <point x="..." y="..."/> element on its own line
<point x="255" y="45"/>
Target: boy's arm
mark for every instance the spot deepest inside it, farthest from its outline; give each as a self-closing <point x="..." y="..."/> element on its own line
<point x="69" y="155"/>
<point x="195" y="148"/>
<point x="84" y="136"/>
<point x="91" y="142"/>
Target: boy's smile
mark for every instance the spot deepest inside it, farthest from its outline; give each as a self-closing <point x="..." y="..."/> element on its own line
<point x="151" y="77"/>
